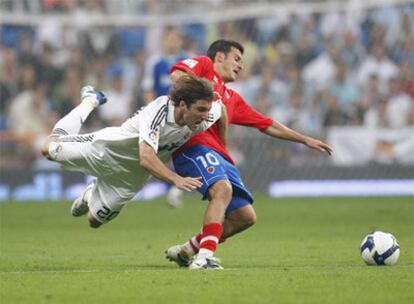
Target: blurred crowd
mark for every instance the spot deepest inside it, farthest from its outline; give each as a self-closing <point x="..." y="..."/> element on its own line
<point x="307" y="70"/>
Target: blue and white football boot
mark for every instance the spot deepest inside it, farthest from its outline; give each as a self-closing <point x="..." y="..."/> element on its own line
<point x="92" y="96"/>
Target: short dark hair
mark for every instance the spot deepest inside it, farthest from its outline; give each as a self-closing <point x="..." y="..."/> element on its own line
<point x="223" y="46"/>
<point x="191" y="89"/>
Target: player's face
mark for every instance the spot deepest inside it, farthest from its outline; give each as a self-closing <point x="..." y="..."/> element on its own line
<point x="196" y="113"/>
<point x="232" y="65"/>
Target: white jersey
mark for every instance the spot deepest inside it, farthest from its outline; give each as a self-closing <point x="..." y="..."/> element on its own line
<point x="155" y="124"/>
<point x="112" y="154"/>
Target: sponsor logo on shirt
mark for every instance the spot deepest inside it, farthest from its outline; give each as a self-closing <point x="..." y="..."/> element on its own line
<point x="191" y="63"/>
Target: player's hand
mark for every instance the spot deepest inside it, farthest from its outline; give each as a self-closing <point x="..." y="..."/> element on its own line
<point x="188" y="183"/>
<point x="318" y="145"/>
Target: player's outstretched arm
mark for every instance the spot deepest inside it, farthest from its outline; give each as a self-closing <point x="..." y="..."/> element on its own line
<point x="149" y="160"/>
<point x="278" y="130"/>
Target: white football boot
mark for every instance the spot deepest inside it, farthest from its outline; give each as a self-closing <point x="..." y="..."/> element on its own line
<point x="92" y="96"/>
<point x="203" y="262"/>
<point x="179" y="255"/>
<point x="80" y="205"/>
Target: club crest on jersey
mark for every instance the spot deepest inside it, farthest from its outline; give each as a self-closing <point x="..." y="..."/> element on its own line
<point x="210" y="170"/>
<point x="153" y="136"/>
<point x="191" y="63"/>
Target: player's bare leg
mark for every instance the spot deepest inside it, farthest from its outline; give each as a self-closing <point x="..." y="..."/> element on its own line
<point x="238" y="220"/>
<point x="205" y="243"/>
<point x="220" y="196"/>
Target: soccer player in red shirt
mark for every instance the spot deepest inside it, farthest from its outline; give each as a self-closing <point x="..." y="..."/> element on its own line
<point x="230" y="209"/>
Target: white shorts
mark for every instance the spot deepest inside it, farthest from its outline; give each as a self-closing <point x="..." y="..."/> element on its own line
<point x="112" y="156"/>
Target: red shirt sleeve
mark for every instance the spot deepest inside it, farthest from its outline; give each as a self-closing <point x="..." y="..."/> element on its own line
<point x="200" y="66"/>
<point x="245" y="115"/>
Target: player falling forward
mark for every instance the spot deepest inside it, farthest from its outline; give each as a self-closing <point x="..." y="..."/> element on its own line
<point x="122" y="158"/>
<point x="230" y="208"/>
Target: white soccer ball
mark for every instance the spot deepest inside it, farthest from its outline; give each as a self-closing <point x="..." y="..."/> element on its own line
<point x="380" y="248"/>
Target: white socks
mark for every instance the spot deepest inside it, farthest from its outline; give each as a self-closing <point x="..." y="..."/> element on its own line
<point x="72" y="122"/>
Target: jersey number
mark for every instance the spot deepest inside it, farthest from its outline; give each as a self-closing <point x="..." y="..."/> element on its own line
<point x="106" y="213"/>
<point x="208" y="159"/>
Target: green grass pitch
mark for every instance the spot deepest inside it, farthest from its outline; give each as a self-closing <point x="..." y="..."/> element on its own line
<point x="300" y="251"/>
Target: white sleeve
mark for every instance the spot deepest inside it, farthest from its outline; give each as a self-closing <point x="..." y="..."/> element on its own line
<point x="213" y="115"/>
<point x="151" y="120"/>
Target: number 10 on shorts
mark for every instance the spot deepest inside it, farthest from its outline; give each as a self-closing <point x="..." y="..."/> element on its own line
<point x="208" y="160"/>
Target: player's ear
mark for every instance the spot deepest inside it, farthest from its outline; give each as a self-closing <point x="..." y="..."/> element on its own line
<point x="220" y="56"/>
<point x="182" y="104"/>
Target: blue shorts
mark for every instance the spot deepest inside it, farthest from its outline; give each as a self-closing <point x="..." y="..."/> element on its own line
<point x="212" y="167"/>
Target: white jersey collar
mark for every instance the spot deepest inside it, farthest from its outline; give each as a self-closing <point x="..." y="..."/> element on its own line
<point x="170" y="112"/>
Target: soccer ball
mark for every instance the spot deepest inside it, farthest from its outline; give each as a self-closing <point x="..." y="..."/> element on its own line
<point x="380" y="248"/>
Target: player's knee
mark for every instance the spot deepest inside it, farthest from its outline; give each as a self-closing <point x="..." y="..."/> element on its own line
<point x="246" y="216"/>
<point x="250" y="220"/>
<point x="221" y="190"/>
<point x="45" y="150"/>
<point x="45" y="147"/>
<point x="93" y="223"/>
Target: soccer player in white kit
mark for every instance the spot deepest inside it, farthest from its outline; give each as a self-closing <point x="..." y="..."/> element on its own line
<point x="123" y="158"/>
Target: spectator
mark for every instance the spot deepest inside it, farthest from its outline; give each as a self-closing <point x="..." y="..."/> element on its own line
<point x="133" y="74"/>
<point x="378" y="63"/>
<point x="119" y="101"/>
<point x="306" y="69"/>
<point x="333" y="114"/>
<point x="345" y="90"/>
<point x="306" y="52"/>
<point x="157" y="70"/>
<point x="371" y="101"/>
<point x="30" y="112"/>
<point x="320" y="71"/>
<point x="274" y="90"/>
<point x="66" y="95"/>
<point x="46" y="70"/>
<point x="398" y="105"/>
<point x="25" y="52"/>
<point x="100" y="41"/>
<point x="351" y="52"/>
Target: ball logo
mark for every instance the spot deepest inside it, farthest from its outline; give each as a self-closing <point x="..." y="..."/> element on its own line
<point x="210" y="170"/>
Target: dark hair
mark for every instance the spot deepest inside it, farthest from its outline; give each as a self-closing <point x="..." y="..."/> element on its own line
<point x="223" y="46"/>
<point x="191" y="89"/>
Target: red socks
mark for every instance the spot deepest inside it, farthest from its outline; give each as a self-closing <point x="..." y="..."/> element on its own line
<point x="207" y="239"/>
<point x="210" y="236"/>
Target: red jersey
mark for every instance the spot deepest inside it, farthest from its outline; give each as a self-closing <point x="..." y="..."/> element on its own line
<point x="239" y="112"/>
